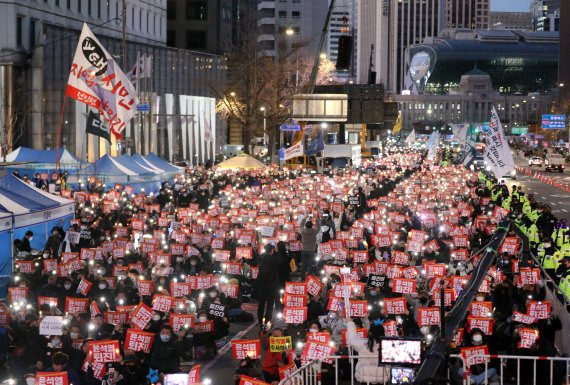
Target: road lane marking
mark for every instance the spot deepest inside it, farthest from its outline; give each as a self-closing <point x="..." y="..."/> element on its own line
<point x="565" y="210"/>
<point x="228" y="346"/>
<point x="553" y="204"/>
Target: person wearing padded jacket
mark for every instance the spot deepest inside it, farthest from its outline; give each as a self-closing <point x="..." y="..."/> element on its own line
<point x="367" y="370"/>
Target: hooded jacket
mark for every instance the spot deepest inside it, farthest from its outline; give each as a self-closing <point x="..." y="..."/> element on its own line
<point x="367" y="370"/>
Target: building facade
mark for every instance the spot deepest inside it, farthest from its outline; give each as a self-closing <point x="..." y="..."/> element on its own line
<point x="472" y="104"/>
<point x="470" y="14"/>
<point x="511" y="20"/>
<point x="564" y="56"/>
<point x="545" y="15"/>
<point x="343" y="23"/>
<point x="204" y="25"/>
<point x="385" y="29"/>
<point x="518" y="61"/>
<point x="34" y="73"/>
<point x="305" y="18"/>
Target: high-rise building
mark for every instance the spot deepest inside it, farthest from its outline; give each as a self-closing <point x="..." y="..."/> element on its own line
<point x="385" y="30"/>
<point x="342" y="23"/>
<point x="470" y="14"/>
<point x="204" y="25"/>
<point x="564" y="55"/>
<point x="545" y="15"/>
<point x="304" y="18"/>
<point x="38" y="42"/>
<point x="511" y="20"/>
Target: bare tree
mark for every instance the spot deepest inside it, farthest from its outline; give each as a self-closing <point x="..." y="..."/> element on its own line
<point x="257" y="83"/>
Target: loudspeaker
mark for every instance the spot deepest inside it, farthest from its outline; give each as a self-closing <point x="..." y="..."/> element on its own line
<point x="344" y="52"/>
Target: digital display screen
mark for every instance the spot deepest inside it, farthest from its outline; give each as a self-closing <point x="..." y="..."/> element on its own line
<point x="402" y="375"/>
<point x="176" y="379"/>
<point x="401" y="351"/>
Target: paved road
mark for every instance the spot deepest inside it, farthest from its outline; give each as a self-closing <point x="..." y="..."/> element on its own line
<point x="563" y="177"/>
<point x="558" y="200"/>
<point x="222" y="368"/>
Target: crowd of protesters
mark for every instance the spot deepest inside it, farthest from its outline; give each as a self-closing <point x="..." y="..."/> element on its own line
<point x="179" y="266"/>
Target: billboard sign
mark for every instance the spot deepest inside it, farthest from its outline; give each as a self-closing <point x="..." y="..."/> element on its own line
<point x="553" y="122"/>
<point x="519" y="130"/>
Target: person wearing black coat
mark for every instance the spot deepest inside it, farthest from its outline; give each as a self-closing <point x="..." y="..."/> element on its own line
<point x="267" y="283"/>
<point x="284" y="268"/>
<point x="25" y="242"/>
<point x="166" y="351"/>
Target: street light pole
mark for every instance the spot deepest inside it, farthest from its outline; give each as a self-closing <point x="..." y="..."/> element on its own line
<point x="262" y="109"/>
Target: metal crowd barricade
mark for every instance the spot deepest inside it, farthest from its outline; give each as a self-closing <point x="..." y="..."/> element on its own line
<point x="503" y="361"/>
<point x="310" y="373"/>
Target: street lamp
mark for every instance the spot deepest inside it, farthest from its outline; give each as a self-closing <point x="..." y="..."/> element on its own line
<point x="289" y="31"/>
<point x="262" y="109"/>
<point x="323" y="55"/>
<point x="232" y="94"/>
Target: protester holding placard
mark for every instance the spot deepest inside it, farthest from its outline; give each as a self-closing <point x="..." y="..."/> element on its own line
<point x="272" y="361"/>
<point x="60" y="363"/>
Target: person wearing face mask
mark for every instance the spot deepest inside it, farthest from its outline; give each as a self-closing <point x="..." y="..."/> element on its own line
<point x="204" y="342"/>
<point x="101" y="293"/>
<point x="478" y="372"/>
<point x="166" y="351"/>
<point x="68" y="288"/>
<point x="25" y="245"/>
<point x="335" y="324"/>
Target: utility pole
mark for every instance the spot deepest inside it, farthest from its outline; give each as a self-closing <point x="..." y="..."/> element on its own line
<point x="124" y="41"/>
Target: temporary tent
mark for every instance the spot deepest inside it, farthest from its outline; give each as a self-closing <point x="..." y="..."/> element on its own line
<point x="145" y="163"/>
<point x="24" y="207"/>
<point x="122" y="170"/>
<point x="33" y="209"/>
<point x="242" y="161"/>
<point x="132" y="165"/>
<point x="160" y="163"/>
<point x="42" y="160"/>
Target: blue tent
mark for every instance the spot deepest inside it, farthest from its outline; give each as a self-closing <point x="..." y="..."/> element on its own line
<point x="41" y="160"/>
<point x="121" y="170"/>
<point x="160" y="163"/>
<point x="107" y="167"/>
<point x="145" y="163"/>
<point x="132" y="165"/>
<point x="22" y="208"/>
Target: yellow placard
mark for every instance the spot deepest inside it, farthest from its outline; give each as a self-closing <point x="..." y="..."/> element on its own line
<point x="280" y="344"/>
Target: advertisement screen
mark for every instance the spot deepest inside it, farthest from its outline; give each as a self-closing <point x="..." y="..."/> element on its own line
<point x="553" y="122"/>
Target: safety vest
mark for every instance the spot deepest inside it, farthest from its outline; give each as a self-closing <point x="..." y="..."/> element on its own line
<point x="532" y="234"/>
<point x="481" y="175"/>
<point x="549" y="262"/>
<point x="534" y="214"/>
<point x="565" y="285"/>
<point x="560" y="236"/>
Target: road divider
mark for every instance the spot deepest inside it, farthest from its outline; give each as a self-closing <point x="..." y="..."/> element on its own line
<point x="543" y="178"/>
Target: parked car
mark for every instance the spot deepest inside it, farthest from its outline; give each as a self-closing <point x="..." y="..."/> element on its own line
<point x="554" y="162"/>
<point x="535" y="161"/>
